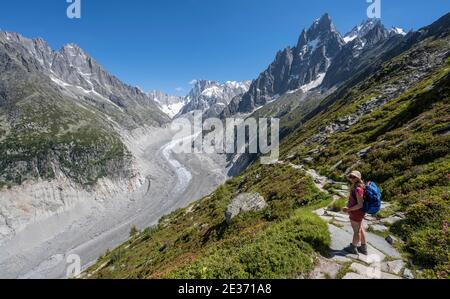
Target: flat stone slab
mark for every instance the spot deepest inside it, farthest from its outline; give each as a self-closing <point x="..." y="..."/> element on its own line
<point x="341" y="238"/>
<point x="326" y="268"/>
<point x="320" y="212"/>
<point x="372" y="272"/>
<point x="342" y="194"/>
<point x="378" y="243"/>
<point x="391" y="220"/>
<point x="394" y="267"/>
<point x="352" y="275"/>
<point x="379" y="228"/>
<point x="340" y="258"/>
<point x="369" y="272"/>
<point x="389" y="276"/>
<point x="344" y="187"/>
<point x="339" y="216"/>
<point x="370" y="218"/>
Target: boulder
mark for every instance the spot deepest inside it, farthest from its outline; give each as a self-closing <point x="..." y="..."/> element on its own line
<point x="308" y="160"/>
<point x="245" y="202"/>
<point x="391" y="240"/>
<point x="408" y="274"/>
<point x="364" y="152"/>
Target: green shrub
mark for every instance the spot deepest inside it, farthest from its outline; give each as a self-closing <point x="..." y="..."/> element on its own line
<point x="133" y="231"/>
<point x="277" y="256"/>
<point x="431" y="247"/>
<point x="117" y="256"/>
<point x="431" y="213"/>
<point x="284" y="250"/>
<point x="220" y="265"/>
<point x="338" y="205"/>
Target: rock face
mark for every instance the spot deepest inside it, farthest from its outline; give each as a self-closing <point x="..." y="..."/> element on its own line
<point x="303" y="66"/>
<point x="76" y="74"/>
<point x="363" y="45"/>
<point x="170" y="105"/>
<point x="212" y="97"/>
<point x="63" y="127"/>
<point x="246" y="202"/>
<point x="419" y="65"/>
<point x="322" y="57"/>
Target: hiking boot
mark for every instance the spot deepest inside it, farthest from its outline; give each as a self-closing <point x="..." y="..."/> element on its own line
<point x="363" y="249"/>
<point x="351" y="249"/>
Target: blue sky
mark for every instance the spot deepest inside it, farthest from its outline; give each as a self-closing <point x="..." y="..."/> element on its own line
<point x="164" y="44"/>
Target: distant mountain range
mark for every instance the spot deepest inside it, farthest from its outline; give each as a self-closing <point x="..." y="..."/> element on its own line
<point x="79" y="76"/>
<point x="320" y="59"/>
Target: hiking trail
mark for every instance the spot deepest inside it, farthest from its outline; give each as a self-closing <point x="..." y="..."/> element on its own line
<point x="383" y="261"/>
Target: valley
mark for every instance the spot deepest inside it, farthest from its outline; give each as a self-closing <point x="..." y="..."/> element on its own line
<point x="90" y="227"/>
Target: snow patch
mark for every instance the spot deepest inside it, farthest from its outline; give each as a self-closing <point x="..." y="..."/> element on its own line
<point x="214" y="91"/>
<point x="313" y="44"/>
<point x="398" y="30"/>
<point x="172" y="109"/>
<point x="350" y="38"/>
<point x="313" y="84"/>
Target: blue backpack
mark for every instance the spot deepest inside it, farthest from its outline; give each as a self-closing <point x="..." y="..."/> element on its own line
<point x="372" y="199"/>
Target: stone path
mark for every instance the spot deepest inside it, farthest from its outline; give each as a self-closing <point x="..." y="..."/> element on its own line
<point x="383" y="261"/>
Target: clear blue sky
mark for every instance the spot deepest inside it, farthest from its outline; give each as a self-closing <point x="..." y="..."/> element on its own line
<point x="164" y="44"/>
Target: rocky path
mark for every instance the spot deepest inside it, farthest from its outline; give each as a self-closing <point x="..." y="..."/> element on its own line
<point x="384" y="261"/>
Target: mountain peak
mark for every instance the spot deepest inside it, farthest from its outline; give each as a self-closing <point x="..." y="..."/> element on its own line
<point x="397" y="30"/>
<point x="321" y="29"/>
<point x="213" y="96"/>
<point x="363" y="29"/>
<point x="325" y="19"/>
<point x="323" y="23"/>
<point x="72" y="49"/>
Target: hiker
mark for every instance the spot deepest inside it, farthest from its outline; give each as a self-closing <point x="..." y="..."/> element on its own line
<point x="355" y="209"/>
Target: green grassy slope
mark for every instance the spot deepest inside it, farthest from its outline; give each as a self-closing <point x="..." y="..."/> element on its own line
<point x="279" y="241"/>
<point x="407" y="145"/>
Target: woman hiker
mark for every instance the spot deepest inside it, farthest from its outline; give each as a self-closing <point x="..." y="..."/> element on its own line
<point x="356" y="212"/>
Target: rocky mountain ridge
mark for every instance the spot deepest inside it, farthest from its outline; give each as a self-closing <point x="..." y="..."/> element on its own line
<point x="318" y="60"/>
<point x="79" y="75"/>
<point x="212" y="97"/>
